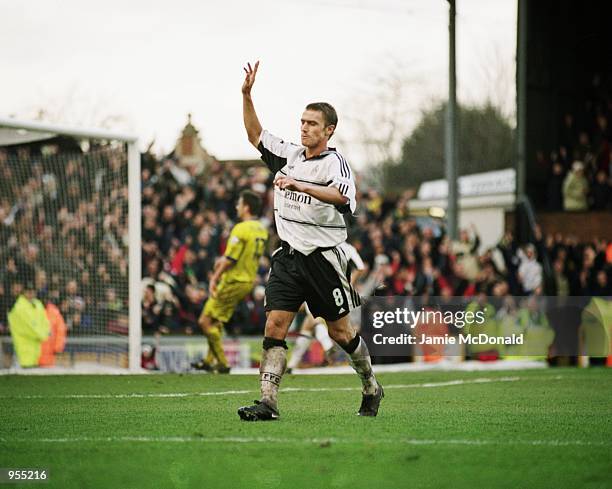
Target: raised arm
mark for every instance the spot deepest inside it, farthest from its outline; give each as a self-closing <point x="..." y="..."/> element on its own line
<point x="251" y="122"/>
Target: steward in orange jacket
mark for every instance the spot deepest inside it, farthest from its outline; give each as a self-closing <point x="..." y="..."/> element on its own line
<point x="57" y="339"/>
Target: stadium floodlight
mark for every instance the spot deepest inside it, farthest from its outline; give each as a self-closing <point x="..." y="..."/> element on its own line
<point x="70" y="201"/>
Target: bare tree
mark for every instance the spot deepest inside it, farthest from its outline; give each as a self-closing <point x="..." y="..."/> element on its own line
<point x="495" y="71"/>
<point x="385" y="110"/>
<point x="378" y="116"/>
<point x="77" y="107"/>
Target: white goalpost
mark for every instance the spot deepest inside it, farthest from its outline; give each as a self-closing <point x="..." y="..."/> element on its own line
<point x="70" y="214"/>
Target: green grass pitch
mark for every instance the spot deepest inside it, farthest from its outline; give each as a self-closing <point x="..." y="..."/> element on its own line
<point x="515" y="429"/>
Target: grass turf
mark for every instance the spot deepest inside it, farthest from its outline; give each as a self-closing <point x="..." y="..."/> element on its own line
<point x="541" y="428"/>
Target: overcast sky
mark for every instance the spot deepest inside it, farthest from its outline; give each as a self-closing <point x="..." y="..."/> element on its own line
<point x="151" y="62"/>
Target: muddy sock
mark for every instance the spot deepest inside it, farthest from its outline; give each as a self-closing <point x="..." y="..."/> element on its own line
<point x="272" y="367"/>
<point x="361" y="363"/>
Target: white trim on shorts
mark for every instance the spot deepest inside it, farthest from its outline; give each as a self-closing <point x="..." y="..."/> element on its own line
<point x="338" y="260"/>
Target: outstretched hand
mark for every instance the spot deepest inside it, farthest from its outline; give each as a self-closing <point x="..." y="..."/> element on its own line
<point x="249" y="79"/>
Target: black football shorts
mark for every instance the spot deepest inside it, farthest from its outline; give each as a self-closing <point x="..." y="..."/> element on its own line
<point x="321" y="279"/>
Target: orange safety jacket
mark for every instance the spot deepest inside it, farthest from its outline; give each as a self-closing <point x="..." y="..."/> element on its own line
<point x="57" y="339"/>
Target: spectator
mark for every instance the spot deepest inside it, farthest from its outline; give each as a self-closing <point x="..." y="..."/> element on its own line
<point x="533" y="321"/>
<point x="530" y="271"/>
<point x="562" y="285"/>
<point x="113" y="311"/>
<point x="29" y="326"/>
<point x="466" y="252"/>
<point x="602" y="286"/>
<point x="72" y="307"/>
<point x="151" y="310"/>
<point x="57" y="335"/>
<point x="148" y="357"/>
<point x="575" y="189"/>
<point x="554" y="190"/>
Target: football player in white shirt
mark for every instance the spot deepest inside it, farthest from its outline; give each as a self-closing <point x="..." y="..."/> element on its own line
<point x="313" y="188"/>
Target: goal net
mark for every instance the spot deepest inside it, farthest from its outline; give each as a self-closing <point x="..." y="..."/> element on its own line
<point x="70" y="235"/>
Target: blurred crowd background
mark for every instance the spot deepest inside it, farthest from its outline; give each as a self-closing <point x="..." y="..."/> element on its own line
<point x="63" y="230"/>
<point x="63" y="227"/>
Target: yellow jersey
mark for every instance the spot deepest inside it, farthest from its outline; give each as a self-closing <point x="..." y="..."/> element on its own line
<point x="246" y="244"/>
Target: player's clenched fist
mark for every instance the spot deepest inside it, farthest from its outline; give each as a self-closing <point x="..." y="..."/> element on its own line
<point x="286" y="183"/>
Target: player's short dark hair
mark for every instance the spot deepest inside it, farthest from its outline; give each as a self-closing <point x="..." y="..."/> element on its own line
<point x="329" y="113"/>
<point x="252" y="201"/>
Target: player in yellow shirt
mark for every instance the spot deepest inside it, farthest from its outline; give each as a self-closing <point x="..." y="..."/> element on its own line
<point x="232" y="279"/>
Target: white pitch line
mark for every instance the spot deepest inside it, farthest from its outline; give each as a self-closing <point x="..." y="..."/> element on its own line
<point x="133" y="395"/>
<point x="288" y="389"/>
<point x="407" y="386"/>
<point x="307" y="441"/>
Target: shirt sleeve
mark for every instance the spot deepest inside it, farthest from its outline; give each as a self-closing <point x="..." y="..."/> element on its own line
<point x="341" y="177"/>
<point x="235" y="245"/>
<point x="274" y="150"/>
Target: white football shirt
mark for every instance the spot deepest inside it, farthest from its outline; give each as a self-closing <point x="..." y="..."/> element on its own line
<point x="302" y="221"/>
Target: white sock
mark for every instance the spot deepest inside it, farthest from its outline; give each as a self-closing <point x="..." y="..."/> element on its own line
<point x="361" y="362"/>
<point x="322" y="336"/>
<point x="272" y="367"/>
<point x="299" y="350"/>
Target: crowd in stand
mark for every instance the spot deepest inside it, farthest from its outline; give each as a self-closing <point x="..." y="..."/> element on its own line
<point x="186" y="228"/>
<point x="412" y="260"/>
<point x="580" y="168"/>
<point x="65" y="227"/>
